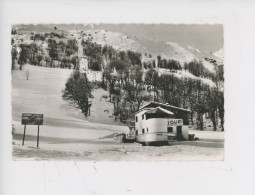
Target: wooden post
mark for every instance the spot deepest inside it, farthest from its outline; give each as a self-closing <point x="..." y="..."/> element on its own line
<point x="24" y="135"/>
<point x="38" y="137"/>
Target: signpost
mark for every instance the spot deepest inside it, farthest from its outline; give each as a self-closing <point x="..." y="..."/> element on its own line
<point x="31" y="119"/>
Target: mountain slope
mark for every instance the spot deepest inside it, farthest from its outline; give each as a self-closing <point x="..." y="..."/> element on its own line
<point x="149" y="47"/>
<point x="201" y="40"/>
<point x="168" y="50"/>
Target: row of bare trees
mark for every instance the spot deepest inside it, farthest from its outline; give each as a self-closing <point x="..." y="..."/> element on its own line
<point x="129" y="87"/>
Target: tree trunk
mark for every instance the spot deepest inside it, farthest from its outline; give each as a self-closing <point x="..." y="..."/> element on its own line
<point x="115" y="109"/>
<point x="154" y="95"/>
<point x="221" y="115"/>
<point x="200" y="123"/>
<point x="216" y="116"/>
<point x="191" y="116"/>
<point x="13" y="65"/>
<point x="86" y="107"/>
<point x="89" y="109"/>
<point x="138" y="104"/>
<point x="103" y="79"/>
<point x="222" y="125"/>
<point x="213" y="120"/>
<point x="110" y="94"/>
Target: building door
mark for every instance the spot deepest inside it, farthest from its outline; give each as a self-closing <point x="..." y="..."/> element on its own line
<point x="179" y="133"/>
<point x="170" y="130"/>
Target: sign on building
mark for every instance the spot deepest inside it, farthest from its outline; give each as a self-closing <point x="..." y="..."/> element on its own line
<point x="174" y="122"/>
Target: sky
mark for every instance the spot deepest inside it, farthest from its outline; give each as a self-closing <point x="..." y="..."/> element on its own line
<point x="204" y="37"/>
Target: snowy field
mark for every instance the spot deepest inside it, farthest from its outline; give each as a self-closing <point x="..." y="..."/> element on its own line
<point x="67" y="135"/>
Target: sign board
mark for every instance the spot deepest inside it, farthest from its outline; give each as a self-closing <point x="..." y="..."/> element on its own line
<point x="32" y="119"/>
<point x="174" y="122"/>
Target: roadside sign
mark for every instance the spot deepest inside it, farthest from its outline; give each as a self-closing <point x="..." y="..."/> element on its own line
<point x="31" y="119"/>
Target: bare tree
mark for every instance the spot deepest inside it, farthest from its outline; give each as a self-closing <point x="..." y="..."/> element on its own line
<point x="27" y="74"/>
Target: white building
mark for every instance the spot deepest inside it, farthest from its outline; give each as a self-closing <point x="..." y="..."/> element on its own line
<point x="157" y="122"/>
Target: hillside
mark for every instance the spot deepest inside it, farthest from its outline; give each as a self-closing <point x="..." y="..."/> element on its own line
<point x="169" y="47"/>
<point x="168" y="50"/>
<point x="118" y="61"/>
<point x="42" y="93"/>
<point x="220" y="55"/>
<point x="67" y="135"/>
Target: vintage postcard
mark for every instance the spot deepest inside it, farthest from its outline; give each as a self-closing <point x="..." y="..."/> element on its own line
<point x="127" y="97"/>
<point x="117" y="92"/>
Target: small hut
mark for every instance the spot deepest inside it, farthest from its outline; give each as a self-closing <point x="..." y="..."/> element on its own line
<point x="158" y="122"/>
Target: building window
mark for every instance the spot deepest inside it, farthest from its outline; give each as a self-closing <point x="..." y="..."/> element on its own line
<point x="142" y="130"/>
<point x="147" y="130"/>
<point x="143" y="116"/>
<point x="169" y="129"/>
<point x="136" y="119"/>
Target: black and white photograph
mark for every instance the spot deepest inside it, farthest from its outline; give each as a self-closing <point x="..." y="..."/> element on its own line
<point x="119" y="97"/>
<point x="117" y="92"/>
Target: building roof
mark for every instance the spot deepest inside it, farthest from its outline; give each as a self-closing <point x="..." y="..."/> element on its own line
<point x="158" y="110"/>
<point x="157" y="104"/>
<point x="143" y="111"/>
<point x="154" y="110"/>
